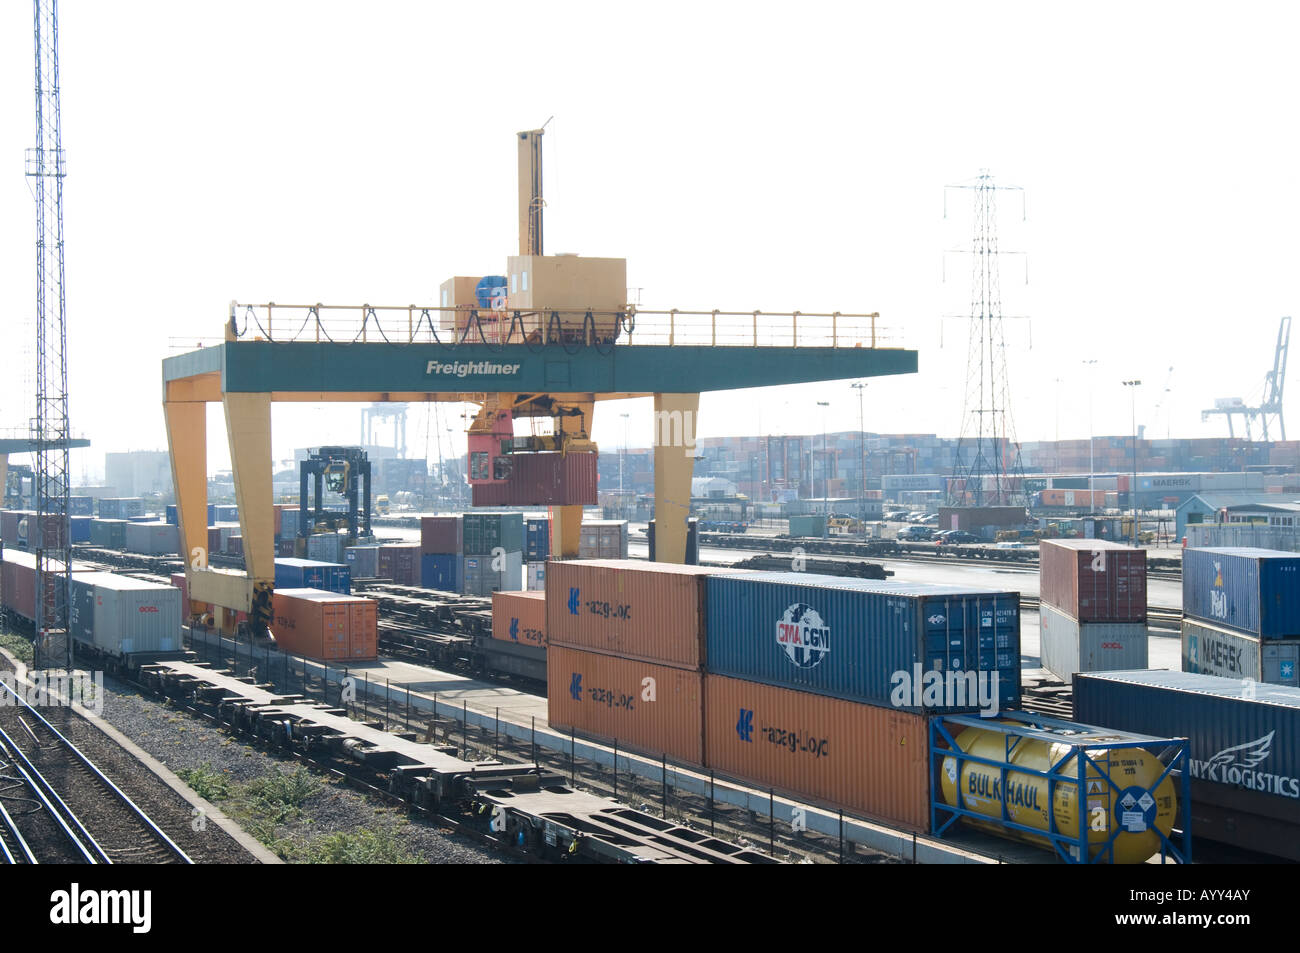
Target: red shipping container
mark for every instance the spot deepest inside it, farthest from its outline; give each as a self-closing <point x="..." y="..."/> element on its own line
<point x="1093" y="580"/>
<point x="440" y="535"/>
<point x="400" y="562"/>
<point x="18" y="582"/>
<point x="324" y="625"/>
<point x="519" y="617"/>
<point x="235" y="545"/>
<point x="214" y="539"/>
<point x="543" y="479"/>
<point x="178" y="580"/>
<point x="645" y="707"/>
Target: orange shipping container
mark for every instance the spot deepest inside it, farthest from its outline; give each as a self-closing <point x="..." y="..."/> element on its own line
<point x="655" y="709"/>
<point x="519" y="617"/>
<point x="324" y="625"/>
<point x="845" y="754"/>
<point x="651" y="611"/>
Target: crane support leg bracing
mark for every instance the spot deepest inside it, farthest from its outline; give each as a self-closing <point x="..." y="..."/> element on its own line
<point x="566" y="521"/>
<point x="248" y="426"/>
<point x="187" y="439"/>
<point x="674" y="447"/>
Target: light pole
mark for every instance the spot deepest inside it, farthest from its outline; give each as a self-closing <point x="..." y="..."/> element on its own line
<point x="1091" y="469"/>
<point x="1133" y="386"/>
<point x="861" y="388"/>
<point x="825" y="472"/>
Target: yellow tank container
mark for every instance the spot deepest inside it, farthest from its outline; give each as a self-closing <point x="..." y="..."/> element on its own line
<point x="1135" y="805"/>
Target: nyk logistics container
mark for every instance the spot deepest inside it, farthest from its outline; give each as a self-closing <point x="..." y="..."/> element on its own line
<point x="440" y="534"/>
<point x="1210" y="650"/>
<point x="863" y="758"/>
<point x="1256" y="591"/>
<point x="1069" y="646"/>
<point x="126" y="616"/>
<point x="654" y="709"/>
<point x="866" y="640"/>
<point x="324" y="625"/>
<point x="519" y="617"/>
<point x="652" y="611"/>
<point x="1244" y="740"/>
<point x="1094" y="580"/>
<point x="293" y="573"/>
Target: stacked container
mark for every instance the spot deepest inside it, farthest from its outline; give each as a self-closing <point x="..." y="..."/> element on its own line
<point x="155" y="539"/>
<point x="537" y="549"/>
<point x="121" y="615"/>
<point x="81" y="506"/>
<point x="1241" y="614"/>
<point x="18" y="581"/>
<point x="326" y="547"/>
<point x="362" y="561"/>
<point x="492" y="548"/>
<point x="293" y="573"/>
<point x="289" y="519"/>
<point x="1093" y="606"/>
<point x="120" y="508"/>
<point x="400" y="562"/>
<point x="325" y="625"/>
<point x="603" y="539"/>
<point x="440" y="553"/>
<point x="519" y="617"/>
<point x="79" y="526"/>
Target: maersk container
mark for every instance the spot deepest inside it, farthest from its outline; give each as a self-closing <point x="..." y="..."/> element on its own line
<point x="1210" y="650"/>
<point x="440" y="571"/>
<point x="133" y="616"/>
<point x="363" y="561"/>
<point x="1256" y="591"/>
<point x="1244" y="735"/>
<point x="1069" y="646"/>
<point x="291" y="573"/>
<point x="484" y="532"/>
<point x="537" y="539"/>
<point x="1094" y="580"/>
<point x="867" y="640"/>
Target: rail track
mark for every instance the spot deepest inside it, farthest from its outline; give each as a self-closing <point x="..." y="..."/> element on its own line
<point x="59" y="807"/>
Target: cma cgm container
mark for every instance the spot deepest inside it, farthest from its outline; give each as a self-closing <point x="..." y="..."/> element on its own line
<point x="865" y="640"/>
<point x="656" y="709"/>
<point x="692" y="541"/>
<point x="1244" y="740"/>
<point x="519" y="617"/>
<point x="1210" y="650"/>
<point x="484" y="532"/>
<point x="363" y="561"/>
<point x="324" y="625"/>
<point x="440" y="571"/>
<point x="440" y="534"/>
<point x="1094" y="580"/>
<point x="1070" y="646"/>
<point x="859" y="757"/>
<point x="293" y="573"/>
<point x="400" y="562"/>
<point x="652" y="611"/>
<point x="537" y="539"/>
<point x="130" y="616"/>
<point x="1256" y="591"/>
<point x="543" y="479"/>
<point x="156" y="539"/>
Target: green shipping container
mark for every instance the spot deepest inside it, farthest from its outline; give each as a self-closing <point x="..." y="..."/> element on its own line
<point x="807" y="525"/>
<point x="484" y="532"/>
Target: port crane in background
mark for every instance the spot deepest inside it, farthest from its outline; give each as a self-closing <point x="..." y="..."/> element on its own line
<point x="549" y="338"/>
<point x="1271" y="405"/>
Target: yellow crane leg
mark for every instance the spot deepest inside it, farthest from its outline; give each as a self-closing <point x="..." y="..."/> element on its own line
<point x="566" y="521"/>
<point x="185" y="411"/>
<point x="248" y="426"/>
<point x="674" y="445"/>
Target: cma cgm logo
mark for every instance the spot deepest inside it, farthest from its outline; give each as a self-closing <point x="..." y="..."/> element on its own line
<point x="1218" y="598"/>
<point x="148" y="608"/>
<point x="803" y="636"/>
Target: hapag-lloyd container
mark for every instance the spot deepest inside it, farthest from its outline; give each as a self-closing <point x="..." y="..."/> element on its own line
<point x="130" y="615"/>
<point x="1069" y="646"/>
<point x="652" y="611"/>
<point x="325" y="625"/>
<point x="655" y="709"/>
<point x="1094" y="580"/>
<point x="1256" y="591"/>
<point x="1210" y="650"/>
<point x="519" y="617"/>
<point x="440" y="535"/>
<point x="854" y="638"/>
<point x="863" y="758"/>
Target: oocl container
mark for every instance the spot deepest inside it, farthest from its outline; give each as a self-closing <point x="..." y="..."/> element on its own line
<point x="324" y="625"/>
<point x="1256" y="591"/>
<point x="655" y="709"/>
<point x="1210" y="650"/>
<point x="651" y="611"/>
<point x="863" y="758"/>
<point x="867" y="640"/>
<point x="519" y="617"/>
<point x="132" y="616"/>
<point x="1069" y="646"/>
<point x="1094" y="580"/>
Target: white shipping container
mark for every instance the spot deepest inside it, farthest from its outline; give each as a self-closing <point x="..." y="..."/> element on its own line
<point x="132" y="615"/>
<point x="157" y="539"/>
<point x="1068" y="646"/>
<point x="535" y="577"/>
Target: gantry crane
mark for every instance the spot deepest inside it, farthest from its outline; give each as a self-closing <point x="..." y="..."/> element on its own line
<point x="550" y="338"/>
<point x="1271" y="405"/>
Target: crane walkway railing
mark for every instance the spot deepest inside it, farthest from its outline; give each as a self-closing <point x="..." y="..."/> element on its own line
<point x="454" y="326"/>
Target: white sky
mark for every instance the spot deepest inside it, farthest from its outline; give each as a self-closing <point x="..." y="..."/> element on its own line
<point x="739" y="156"/>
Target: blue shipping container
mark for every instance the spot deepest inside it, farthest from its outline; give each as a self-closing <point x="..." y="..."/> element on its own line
<point x="1236" y="740"/>
<point x="289" y="523"/>
<point x="170" y="516"/>
<point x="173" y="518"/>
<point x="80" y="528"/>
<point x="81" y="506"/>
<point x="226" y="514"/>
<point x="291" y="573"/>
<point x="440" y="571"/>
<point x="1256" y="591"/>
<point x="537" y="540"/>
<point x="863" y="640"/>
